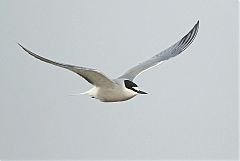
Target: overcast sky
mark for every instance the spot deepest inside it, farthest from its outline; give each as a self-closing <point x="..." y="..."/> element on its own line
<point x="191" y="110"/>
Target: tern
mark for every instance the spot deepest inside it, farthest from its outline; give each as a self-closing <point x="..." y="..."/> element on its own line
<point x="122" y="88"/>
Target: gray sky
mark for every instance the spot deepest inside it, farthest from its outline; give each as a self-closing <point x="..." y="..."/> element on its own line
<point x="190" y="112"/>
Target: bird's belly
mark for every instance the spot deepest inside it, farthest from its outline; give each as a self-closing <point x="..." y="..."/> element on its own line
<point x="113" y="95"/>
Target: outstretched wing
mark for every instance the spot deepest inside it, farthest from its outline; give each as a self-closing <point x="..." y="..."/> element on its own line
<point x="93" y="76"/>
<point x="170" y="52"/>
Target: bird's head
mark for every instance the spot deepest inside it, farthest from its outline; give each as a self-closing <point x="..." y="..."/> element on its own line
<point x="132" y="86"/>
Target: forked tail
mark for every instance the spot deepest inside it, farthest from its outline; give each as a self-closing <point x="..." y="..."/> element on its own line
<point x="83" y="93"/>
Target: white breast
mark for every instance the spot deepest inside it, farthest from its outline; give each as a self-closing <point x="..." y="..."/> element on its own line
<point x="115" y="94"/>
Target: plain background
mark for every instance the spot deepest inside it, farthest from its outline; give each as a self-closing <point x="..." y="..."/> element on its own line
<point x="191" y="111"/>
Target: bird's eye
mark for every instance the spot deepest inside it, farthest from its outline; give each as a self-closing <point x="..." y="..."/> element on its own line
<point x="129" y="84"/>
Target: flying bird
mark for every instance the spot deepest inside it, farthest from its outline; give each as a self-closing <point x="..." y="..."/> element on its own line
<point x="122" y="88"/>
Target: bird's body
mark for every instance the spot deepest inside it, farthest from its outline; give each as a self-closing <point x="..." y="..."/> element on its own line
<point x="123" y="88"/>
<point x="112" y="94"/>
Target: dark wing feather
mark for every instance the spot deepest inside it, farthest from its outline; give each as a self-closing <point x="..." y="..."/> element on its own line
<point x="170" y="52"/>
<point x="91" y="75"/>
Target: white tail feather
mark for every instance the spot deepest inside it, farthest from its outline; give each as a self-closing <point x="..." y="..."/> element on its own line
<point x="77" y="94"/>
<point x="84" y="93"/>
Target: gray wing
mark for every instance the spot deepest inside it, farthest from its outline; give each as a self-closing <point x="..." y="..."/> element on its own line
<point x="93" y="76"/>
<point x="170" y="52"/>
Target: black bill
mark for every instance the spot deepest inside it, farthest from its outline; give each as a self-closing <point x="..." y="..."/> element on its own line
<point x="141" y="92"/>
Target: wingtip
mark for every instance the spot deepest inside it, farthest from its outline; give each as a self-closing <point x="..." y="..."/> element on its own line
<point x="20" y="45"/>
<point x="197" y="24"/>
<point x="23" y="47"/>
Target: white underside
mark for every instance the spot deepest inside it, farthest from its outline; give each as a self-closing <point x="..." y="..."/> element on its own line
<point x="114" y="94"/>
